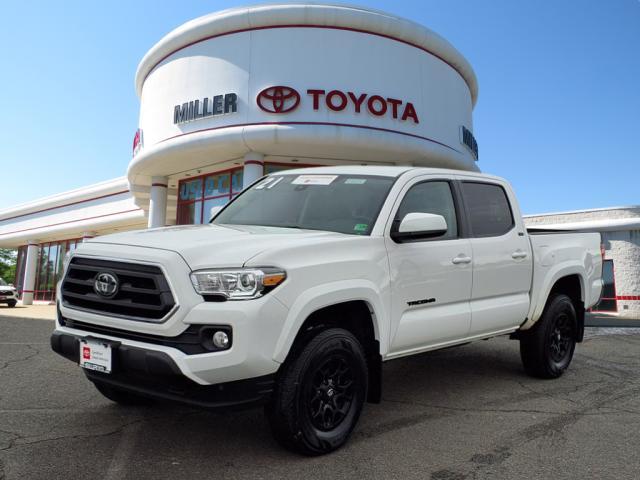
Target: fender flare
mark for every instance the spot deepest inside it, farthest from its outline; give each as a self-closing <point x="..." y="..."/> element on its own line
<point x="558" y="272"/>
<point x="326" y="295"/>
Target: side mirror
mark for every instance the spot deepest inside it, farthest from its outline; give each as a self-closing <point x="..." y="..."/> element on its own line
<point x="419" y="225"/>
<point x="11" y="284"/>
<point x="214" y="211"/>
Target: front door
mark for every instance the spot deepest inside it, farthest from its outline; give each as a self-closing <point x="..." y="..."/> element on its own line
<point x="430" y="278"/>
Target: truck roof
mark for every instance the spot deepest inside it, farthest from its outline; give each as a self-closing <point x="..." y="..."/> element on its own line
<point x="382" y="171"/>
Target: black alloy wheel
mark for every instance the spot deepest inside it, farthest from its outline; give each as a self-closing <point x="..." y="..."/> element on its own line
<point x="330" y="392"/>
<point x="561" y="338"/>
<point x="547" y="348"/>
<point x="320" y="393"/>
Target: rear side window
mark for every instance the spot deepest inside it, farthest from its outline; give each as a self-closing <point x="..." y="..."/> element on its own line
<point x="488" y="207"/>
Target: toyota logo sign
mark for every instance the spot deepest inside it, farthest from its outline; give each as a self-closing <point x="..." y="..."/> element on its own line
<point x="105" y="284"/>
<point x="278" y="99"/>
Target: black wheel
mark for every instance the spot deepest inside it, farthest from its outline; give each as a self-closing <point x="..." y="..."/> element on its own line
<point x="11" y="304"/>
<point x="547" y="349"/>
<point x="320" y="394"/>
<point x="122" y="397"/>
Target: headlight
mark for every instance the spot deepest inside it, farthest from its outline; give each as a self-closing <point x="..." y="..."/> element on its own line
<point x="237" y="284"/>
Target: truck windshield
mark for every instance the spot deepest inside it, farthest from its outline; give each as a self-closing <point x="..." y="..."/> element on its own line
<point x="2" y="282"/>
<point x="336" y="203"/>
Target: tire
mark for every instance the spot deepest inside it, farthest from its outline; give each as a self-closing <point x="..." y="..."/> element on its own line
<point x="547" y="349"/>
<point x="11" y="304"/>
<point x="122" y="397"/>
<point x="319" y="394"/>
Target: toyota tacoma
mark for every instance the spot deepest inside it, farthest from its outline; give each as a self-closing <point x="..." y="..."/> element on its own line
<point x="300" y="288"/>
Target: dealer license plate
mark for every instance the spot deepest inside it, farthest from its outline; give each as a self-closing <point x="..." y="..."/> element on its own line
<point x="95" y="355"/>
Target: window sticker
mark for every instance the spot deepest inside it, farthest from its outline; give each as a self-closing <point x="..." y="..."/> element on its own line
<point x="274" y="183"/>
<point x="360" y="227"/>
<point x="314" y="180"/>
<point x="267" y="182"/>
<point x="355" y="181"/>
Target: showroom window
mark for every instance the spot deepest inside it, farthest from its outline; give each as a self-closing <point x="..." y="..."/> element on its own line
<point x="20" y="263"/>
<point x="197" y="195"/>
<point x="607" y="301"/>
<point x="49" y="267"/>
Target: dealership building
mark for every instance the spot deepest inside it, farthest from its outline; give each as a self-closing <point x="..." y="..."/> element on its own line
<point x="232" y="96"/>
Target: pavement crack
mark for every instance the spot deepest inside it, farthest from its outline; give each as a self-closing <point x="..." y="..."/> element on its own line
<point x="473" y="410"/>
<point x="16" y="442"/>
<point x="34" y="352"/>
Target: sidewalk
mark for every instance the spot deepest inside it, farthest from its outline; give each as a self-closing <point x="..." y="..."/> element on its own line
<point x="599" y="320"/>
<point x="38" y="312"/>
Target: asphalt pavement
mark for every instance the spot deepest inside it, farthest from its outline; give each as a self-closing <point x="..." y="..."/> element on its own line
<point x="463" y="413"/>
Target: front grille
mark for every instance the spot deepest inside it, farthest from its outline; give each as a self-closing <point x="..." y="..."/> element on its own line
<point x="143" y="292"/>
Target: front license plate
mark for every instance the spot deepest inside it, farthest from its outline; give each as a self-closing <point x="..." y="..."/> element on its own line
<point x="95" y="355"/>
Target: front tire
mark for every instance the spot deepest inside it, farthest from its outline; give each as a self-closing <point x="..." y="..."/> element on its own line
<point x="547" y="349"/>
<point x="122" y="397"/>
<point x="320" y="394"/>
<point x="11" y="304"/>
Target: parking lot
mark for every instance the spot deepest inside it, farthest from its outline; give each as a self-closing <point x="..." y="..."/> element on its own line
<point x="462" y="413"/>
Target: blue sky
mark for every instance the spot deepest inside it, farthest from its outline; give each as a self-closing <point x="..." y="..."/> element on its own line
<point x="558" y="111"/>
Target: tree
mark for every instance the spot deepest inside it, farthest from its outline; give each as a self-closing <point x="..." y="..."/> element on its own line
<point x="8" y="259"/>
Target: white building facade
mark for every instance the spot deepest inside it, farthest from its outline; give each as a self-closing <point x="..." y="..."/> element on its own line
<point x="234" y="95"/>
<point x="45" y="229"/>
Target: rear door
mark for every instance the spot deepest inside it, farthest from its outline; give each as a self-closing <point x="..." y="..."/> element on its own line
<point x="502" y="260"/>
<point x="430" y="278"/>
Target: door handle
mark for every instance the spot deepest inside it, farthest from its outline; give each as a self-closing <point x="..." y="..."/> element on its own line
<point x="518" y="254"/>
<point x="460" y="259"/>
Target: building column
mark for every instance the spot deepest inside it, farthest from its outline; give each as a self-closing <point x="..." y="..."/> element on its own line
<point x="253" y="168"/>
<point x="158" y="202"/>
<point x="30" y="271"/>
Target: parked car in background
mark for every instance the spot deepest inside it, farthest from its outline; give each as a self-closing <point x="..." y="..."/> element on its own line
<point x="8" y="294"/>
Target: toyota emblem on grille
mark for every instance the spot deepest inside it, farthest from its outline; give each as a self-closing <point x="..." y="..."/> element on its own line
<point x="278" y="99"/>
<point x="106" y="284"/>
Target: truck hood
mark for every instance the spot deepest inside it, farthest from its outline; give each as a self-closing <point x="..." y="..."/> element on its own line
<point x="7" y="288"/>
<point x="207" y="246"/>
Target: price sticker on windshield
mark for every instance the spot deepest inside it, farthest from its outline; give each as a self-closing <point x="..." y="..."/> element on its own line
<point x="314" y="180"/>
<point x="268" y="183"/>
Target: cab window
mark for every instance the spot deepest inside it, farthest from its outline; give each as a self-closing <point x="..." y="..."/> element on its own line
<point x="488" y="209"/>
<point x="433" y="197"/>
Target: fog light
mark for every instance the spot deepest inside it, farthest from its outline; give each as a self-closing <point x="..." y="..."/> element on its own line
<point x="220" y="339"/>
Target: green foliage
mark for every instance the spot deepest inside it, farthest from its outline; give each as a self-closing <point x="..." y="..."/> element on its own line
<point x="8" y="260"/>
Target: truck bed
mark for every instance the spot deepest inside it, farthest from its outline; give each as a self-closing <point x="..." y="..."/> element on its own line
<point x="555" y="254"/>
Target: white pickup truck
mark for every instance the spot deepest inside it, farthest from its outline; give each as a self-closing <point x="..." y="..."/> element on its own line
<point x="301" y="287"/>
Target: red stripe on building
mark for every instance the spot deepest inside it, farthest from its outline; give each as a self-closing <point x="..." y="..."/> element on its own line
<point x="325" y="27"/>
<point x="330" y="124"/>
<point x="64" y="205"/>
<point x="70" y="221"/>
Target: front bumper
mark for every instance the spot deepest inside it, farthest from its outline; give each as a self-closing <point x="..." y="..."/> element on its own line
<point x="154" y="374"/>
<point x="4" y="298"/>
<point x="256" y="324"/>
